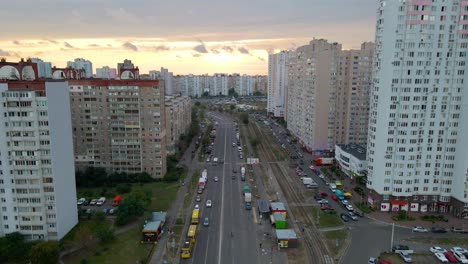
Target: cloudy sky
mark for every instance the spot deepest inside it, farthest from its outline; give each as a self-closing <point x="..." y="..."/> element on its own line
<point x="186" y="36"/>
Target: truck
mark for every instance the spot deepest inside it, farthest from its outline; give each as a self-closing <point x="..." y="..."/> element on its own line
<point x="203" y="179"/>
<point x="309" y="182"/>
<point x="245" y="189"/>
<point x="243" y="173"/>
<point x="248" y="201"/>
<point x="324" y="161"/>
<point x="339" y="194"/>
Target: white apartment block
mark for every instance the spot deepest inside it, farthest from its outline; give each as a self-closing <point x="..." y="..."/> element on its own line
<point x="106" y="73"/>
<point x="37" y="174"/>
<point x="219" y="84"/>
<point x="351" y="158"/>
<point x="246" y="85"/>
<point x="417" y="148"/>
<point x="278" y="82"/>
<point x="82" y="64"/>
<point x="44" y="69"/>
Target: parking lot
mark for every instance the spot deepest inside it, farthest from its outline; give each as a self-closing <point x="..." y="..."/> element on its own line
<point x="417" y="258"/>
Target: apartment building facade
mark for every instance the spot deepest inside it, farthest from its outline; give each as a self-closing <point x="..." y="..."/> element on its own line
<point x="178" y="120"/>
<point x="417" y="154"/>
<point x="119" y="125"/>
<point x="37" y="175"/>
<point x="82" y="64"/>
<point x="277" y="96"/>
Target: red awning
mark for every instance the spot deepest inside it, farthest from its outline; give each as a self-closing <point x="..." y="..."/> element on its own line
<point x="398" y="202"/>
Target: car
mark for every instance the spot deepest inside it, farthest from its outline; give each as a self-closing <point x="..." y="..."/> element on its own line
<point x="318" y="197"/>
<point x="206" y="222"/>
<point x="372" y="260"/>
<point x="112" y="211"/>
<point x="200" y="191"/>
<point x="459" y="250"/>
<point x="441" y="257"/>
<point x="345" y="202"/>
<point x="234" y="170"/>
<point x="239" y="149"/>
<point x="215" y="178"/>
<point x="208" y="203"/>
<point x="323" y="201"/>
<point x="240" y="156"/>
<point x="89" y="211"/>
<point x="197" y="206"/>
<point x="93" y="202"/>
<point x="420" y="229"/>
<point x="405" y="256"/>
<point x="81" y="201"/>
<point x="105" y="210"/>
<point x="233" y="176"/>
<point x="352" y="216"/>
<point x="208" y="159"/>
<point x="450" y="257"/>
<point x="324" y="207"/>
<point x="460" y="257"/>
<point x="233" y="144"/>
<point x="399" y="247"/>
<point x="438" y="230"/>
<point x="321" y="176"/>
<point x="334" y="197"/>
<point x="436" y="249"/>
<point x="385" y="261"/>
<point x="359" y="213"/>
<point x="324" y="194"/>
<point x="344" y="217"/>
<point x="332" y="186"/>
<point x="349" y="207"/>
<point x="197" y="198"/>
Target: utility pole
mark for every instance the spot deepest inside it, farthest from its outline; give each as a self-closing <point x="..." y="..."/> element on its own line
<point x="391" y="240"/>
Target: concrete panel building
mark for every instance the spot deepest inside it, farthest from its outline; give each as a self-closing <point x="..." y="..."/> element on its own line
<point x="37" y="175"/>
<point x="119" y="125"/>
<point x="106" y="73"/>
<point x="178" y="120"/>
<point x="82" y="64"/>
<point x="417" y="148"/>
<point x="278" y="82"/>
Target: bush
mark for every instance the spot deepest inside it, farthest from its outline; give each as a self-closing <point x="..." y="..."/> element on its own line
<point x="124" y="188"/>
<point x="44" y="252"/>
<point x="403" y="216"/>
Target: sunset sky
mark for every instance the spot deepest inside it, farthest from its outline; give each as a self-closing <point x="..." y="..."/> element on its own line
<point x="185" y="36"/>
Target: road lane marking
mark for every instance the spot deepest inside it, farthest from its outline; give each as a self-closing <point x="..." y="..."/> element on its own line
<point x="222" y="202"/>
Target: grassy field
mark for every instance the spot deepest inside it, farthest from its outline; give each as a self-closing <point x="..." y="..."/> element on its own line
<point x="326" y="220"/>
<point x="125" y="248"/>
<point x="335" y="240"/>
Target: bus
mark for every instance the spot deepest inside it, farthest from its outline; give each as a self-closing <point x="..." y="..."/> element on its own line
<point x="189" y="242"/>
<point x="195" y="216"/>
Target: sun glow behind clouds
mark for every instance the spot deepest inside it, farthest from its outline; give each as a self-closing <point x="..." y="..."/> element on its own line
<point x="181" y="57"/>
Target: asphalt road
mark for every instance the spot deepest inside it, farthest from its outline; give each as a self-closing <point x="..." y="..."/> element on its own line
<point x="227" y="216"/>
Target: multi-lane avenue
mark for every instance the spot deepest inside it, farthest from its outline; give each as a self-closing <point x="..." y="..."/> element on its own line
<point x="231" y="234"/>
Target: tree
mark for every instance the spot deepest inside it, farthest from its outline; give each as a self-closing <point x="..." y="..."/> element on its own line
<point x="245" y="118"/>
<point x="45" y="252"/>
<point x="104" y="233"/>
<point x="232" y="107"/>
<point x="130" y="207"/>
<point x="197" y="103"/>
<point x="12" y="246"/>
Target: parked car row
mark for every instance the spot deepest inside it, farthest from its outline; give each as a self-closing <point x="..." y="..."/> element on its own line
<point x="420" y="229"/>
<point x="454" y="255"/>
<point x="84" y="201"/>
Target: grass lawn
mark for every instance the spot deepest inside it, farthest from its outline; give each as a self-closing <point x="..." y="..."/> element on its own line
<point x="335" y="240"/>
<point x="326" y="220"/>
<point x="125" y="248"/>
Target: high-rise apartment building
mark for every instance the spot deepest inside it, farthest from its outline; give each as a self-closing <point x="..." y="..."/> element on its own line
<point x="82" y="64"/>
<point x="106" y="73"/>
<point x="178" y="120"/>
<point x="219" y="84"/>
<point x="417" y="148"/>
<point x="278" y="82"/>
<point x="312" y="91"/>
<point x="354" y="80"/>
<point x="37" y="175"/>
<point x="44" y="68"/>
<point x="119" y="125"/>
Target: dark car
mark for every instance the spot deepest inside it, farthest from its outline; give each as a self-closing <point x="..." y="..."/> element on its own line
<point x="234" y="170"/>
<point x="359" y="213"/>
<point x="345" y="217"/>
<point x="438" y="230"/>
<point x="399" y="247"/>
<point x="86" y="201"/>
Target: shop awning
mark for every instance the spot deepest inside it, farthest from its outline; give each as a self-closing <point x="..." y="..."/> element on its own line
<point x="398" y="202"/>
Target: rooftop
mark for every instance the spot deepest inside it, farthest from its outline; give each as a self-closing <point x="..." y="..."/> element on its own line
<point x="286" y="234"/>
<point x="355" y="150"/>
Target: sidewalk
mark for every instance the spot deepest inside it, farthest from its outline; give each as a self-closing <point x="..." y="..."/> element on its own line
<point x="386" y="217"/>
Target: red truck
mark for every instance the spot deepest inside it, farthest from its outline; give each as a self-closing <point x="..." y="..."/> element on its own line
<point x="324" y="161"/>
<point x="117" y="200"/>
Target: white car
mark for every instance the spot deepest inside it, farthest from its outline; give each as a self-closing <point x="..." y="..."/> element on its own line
<point x="372" y="260"/>
<point x="345" y="202"/>
<point x="197" y="206"/>
<point x="208" y="159"/>
<point x="349" y="207"/>
<point x="321" y="176"/>
<point x="461" y="257"/>
<point x="441" y="257"/>
<point x="234" y="144"/>
<point x="323" y="201"/>
<point x="406" y="257"/>
<point x="208" y="203"/>
<point x="458" y="250"/>
<point x="332" y="186"/>
<point x="81" y="201"/>
<point x="436" y="249"/>
<point x="215" y="178"/>
<point x="420" y="229"/>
